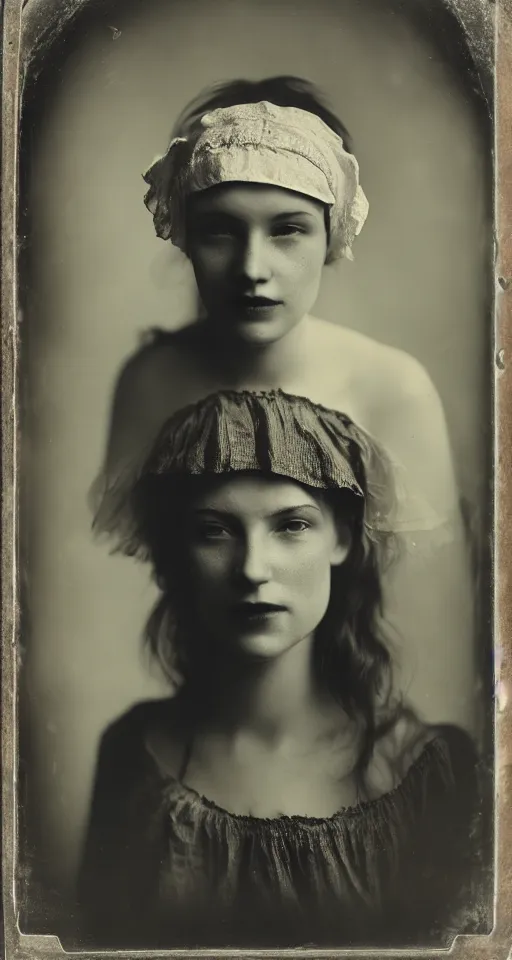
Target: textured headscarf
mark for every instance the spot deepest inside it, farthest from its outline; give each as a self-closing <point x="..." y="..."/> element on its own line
<point x="259" y="143"/>
<point x="272" y="433"/>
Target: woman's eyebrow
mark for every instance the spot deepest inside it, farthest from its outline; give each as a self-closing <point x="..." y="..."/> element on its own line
<point x="294" y="215"/>
<point x="283" y="511"/>
<point x="216" y="214"/>
<point x="226" y="216"/>
<point x="299" y="506"/>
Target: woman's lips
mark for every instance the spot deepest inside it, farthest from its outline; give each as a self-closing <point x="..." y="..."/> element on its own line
<point x="257" y="611"/>
<point x="253" y="304"/>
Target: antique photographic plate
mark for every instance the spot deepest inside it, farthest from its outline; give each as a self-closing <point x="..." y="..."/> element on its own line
<point x="73" y="74"/>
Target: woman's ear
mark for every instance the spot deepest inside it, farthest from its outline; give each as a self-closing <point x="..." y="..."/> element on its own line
<point x="342" y="546"/>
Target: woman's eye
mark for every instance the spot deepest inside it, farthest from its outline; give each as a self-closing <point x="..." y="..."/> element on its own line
<point x="212" y="531"/>
<point x="213" y="228"/>
<point x="216" y="237"/>
<point x="295" y="526"/>
<point x="218" y="232"/>
<point x="288" y="230"/>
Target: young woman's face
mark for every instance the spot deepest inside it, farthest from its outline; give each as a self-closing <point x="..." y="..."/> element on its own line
<point x="257" y="253"/>
<point x="260" y="553"/>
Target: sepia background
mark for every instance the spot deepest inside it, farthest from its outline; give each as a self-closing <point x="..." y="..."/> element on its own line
<point x="96" y="278"/>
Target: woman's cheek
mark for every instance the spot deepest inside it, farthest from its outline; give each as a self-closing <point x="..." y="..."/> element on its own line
<point x="308" y="590"/>
<point x="306" y="570"/>
<point x="210" y="567"/>
<point x="211" y="266"/>
<point x="308" y="256"/>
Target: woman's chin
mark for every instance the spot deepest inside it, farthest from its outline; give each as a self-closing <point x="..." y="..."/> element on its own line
<point x="260" y="331"/>
<point x="263" y="646"/>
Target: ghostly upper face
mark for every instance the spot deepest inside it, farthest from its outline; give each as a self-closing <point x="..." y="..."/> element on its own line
<point x="258" y="554"/>
<point x="257" y="253"/>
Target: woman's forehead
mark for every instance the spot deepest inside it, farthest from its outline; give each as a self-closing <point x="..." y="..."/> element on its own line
<point x="246" y="199"/>
<point x="252" y="494"/>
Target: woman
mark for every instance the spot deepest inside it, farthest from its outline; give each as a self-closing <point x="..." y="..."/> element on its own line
<point x="284" y="796"/>
<point x="260" y="190"/>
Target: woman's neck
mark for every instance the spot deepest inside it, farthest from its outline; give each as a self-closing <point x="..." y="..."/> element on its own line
<point x="276" y="699"/>
<point x="261" y="366"/>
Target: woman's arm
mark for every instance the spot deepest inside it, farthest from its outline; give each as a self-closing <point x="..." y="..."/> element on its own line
<point x="123" y="842"/>
<point x="444" y="885"/>
<point x="100" y="870"/>
<point x="429" y="593"/>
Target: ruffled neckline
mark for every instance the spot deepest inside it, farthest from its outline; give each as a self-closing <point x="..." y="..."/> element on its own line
<point x="374" y="808"/>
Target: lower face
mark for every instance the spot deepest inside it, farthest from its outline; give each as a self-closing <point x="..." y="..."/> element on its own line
<point x="257" y="253"/>
<point x="259" y="558"/>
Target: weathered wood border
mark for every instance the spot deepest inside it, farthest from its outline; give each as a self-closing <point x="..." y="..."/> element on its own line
<point x="497" y="946"/>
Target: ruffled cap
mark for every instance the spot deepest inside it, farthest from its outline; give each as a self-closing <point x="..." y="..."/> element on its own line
<point x="271" y="433"/>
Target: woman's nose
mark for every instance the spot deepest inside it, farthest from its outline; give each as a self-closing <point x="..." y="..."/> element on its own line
<point x="255" y="264"/>
<point x="253" y="565"/>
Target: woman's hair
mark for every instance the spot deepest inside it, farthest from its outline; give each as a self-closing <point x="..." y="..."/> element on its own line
<point x="350" y="656"/>
<point x="283" y="91"/>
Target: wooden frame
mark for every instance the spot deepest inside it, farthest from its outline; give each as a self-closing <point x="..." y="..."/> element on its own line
<point x="499" y="944"/>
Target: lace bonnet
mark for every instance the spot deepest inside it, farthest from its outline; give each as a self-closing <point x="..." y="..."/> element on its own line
<point x="259" y="143"/>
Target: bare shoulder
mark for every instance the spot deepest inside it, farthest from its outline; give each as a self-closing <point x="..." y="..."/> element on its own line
<point x="373" y="379"/>
<point x="163" y="375"/>
<point x="393" y="367"/>
<point x="163" y="358"/>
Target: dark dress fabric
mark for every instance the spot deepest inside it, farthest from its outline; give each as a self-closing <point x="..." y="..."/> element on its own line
<point x="163" y="867"/>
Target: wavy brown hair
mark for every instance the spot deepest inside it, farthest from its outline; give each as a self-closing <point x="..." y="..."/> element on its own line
<point x="351" y="651"/>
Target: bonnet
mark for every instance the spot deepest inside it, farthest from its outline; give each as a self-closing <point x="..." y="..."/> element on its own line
<point x="259" y="143"/>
